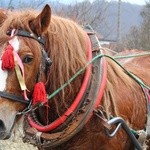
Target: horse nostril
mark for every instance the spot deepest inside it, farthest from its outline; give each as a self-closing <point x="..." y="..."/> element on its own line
<point x="2" y="126"/>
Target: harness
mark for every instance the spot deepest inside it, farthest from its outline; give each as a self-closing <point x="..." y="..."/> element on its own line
<point x="78" y="118"/>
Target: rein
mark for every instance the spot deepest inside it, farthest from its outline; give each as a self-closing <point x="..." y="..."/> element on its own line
<point x="90" y="62"/>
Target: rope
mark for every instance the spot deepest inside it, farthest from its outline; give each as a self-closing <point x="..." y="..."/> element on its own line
<point x="96" y="57"/>
<point x="138" y="80"/>
<point x="131" y="56"/>
<point x="74" y="76"/>
<point x="109" y="50"/>
<point x="100" y="56"/>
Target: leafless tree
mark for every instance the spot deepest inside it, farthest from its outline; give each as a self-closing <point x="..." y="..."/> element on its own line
<point x="85" y="12"/>
<point x="9" y="4"/>
<point x="139" y="37"/>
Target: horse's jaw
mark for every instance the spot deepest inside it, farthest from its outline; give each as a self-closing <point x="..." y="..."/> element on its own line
<point x="7" y="120"/>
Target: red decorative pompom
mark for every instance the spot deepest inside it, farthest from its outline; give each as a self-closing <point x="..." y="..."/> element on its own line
<point x="39" y="93"/>
<point x="8" y="62"/>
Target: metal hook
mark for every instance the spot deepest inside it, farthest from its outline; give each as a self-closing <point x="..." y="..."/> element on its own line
<point x="122" y="123"/>
<point x="112" y="134"/>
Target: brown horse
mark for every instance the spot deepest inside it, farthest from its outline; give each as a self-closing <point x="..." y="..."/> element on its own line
<point x="66" y="43"/>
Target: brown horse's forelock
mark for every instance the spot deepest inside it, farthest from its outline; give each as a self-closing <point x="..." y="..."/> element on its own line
<point x="15" y="20"/>
<point x="65" y="44"/>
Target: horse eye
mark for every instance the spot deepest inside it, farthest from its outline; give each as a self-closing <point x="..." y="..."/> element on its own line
<point x="27" y="59"/>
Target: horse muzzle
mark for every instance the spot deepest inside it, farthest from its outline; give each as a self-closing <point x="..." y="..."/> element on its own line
<point x="3" y="131"/>
<point x="7" y="121"/>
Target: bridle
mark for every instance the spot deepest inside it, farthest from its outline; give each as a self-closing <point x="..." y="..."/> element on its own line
<point x="45" y="61"/>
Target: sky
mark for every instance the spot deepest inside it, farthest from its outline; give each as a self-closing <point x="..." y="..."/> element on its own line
<point x="138" y="2"/>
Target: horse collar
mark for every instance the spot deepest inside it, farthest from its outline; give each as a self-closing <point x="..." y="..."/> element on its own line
<point x="76" y="121"/>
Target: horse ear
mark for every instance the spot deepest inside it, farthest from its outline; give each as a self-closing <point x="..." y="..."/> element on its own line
<point x="3" y="16"/>
<point x="41" y="23"/>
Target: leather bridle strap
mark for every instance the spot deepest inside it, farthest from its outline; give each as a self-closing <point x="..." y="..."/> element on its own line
<point x="29" y="35"/>
<point x="14" y="97"/>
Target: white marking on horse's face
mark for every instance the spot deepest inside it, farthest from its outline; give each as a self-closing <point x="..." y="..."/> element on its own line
<point x="3" y="77"/>
<point x="3" y="73"/>
<point x="15" y="43"/>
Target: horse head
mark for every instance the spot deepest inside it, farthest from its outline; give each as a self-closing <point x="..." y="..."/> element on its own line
<point x="23" y="63"/>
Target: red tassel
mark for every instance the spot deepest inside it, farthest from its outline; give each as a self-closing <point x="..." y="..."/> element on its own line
<point x="8" y="58"/>
<point x="39" y="93"/>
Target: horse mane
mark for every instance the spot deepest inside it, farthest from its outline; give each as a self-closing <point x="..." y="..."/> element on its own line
<point x="67" y="47"/>
<point x="68" y="42"/>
